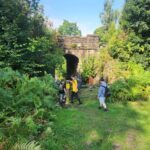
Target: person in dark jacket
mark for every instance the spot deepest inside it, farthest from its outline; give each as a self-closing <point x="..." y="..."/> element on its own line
<point x="62" y="93"/>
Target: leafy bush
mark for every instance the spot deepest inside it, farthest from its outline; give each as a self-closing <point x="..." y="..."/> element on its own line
<point x="90" y="67"/>
<point x="103" y="65"/>
<point x="129" y="47"/>
<point x="25" y="105"/>
<point x="109" y="67"/>
<point x="134" y="87"/>
<point x="60" y="70"/>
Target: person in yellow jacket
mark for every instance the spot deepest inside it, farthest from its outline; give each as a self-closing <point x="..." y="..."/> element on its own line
<point x="75" y="90"/>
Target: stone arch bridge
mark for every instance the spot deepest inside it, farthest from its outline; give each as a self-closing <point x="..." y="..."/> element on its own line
<point x="76" y="48"/>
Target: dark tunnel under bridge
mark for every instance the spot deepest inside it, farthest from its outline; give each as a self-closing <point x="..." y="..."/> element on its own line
<point x="72" y="64"/>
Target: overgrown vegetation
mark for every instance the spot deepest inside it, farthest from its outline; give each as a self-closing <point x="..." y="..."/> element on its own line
<point x="26" y="106"/>
<point x="90" y="67"/>
<point x="134" y="86"/>
<point x="29" y="55"/>
<point x="128" y="41"/>
<point x="128" y="81"/>
<point x="125" y="57"/>
<point x="26" y="43"/>
<point x="28" y="51"/>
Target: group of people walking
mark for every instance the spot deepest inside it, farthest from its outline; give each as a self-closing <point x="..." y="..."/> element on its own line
<point x="69" y="89"/>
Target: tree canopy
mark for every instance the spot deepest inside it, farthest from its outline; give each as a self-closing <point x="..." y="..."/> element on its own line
<point x="108" y="18"/>
<point x="69" y="29"/>
<point x="135" y="22"/>
<point x="136" y="17"/>
<point x="26" y="44"/>
<point x="108" y="15"/>
<point x="128" y="41"/>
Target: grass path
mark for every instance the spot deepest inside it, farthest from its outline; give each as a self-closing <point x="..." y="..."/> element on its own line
<point x="85" y="127"/>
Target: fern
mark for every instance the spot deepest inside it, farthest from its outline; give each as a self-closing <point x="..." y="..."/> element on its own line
<point x="27" y="146"/>
<point x="25" y="106"/>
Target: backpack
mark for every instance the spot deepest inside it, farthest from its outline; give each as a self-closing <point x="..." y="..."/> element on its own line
<point x="107" y="92"/>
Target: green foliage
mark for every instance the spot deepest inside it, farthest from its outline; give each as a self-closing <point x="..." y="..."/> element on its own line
<point x="117" y="47"/>
<point x="27" y="146"/>
<point x="69" y="29"/>
<point x="102" y="65"/>
<point x="25" y="106"/>
<point x="129" y="47"/>
<point x="110" y="68"/>
<point x="136" y="18"/>
<point x="133" y="87"/>
<point x="130" y="41"/>
<point x="90" y="67"/>
<point x="16" y="26"/>
<point x="101" y="32"/>
<point x="26" y="44"/>
<point x="105" y="34"/>
<point x="109" y="15"/>
<point x="109" y="19"/>
<point x="50" y="57"/>
<point x="60" y="71"/>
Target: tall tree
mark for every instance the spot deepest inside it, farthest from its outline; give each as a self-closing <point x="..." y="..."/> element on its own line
<point x="24" y="42"/>
<point x="108" y="17"/>
<point x="69" y="29"/>
<point x="136" y="18"/>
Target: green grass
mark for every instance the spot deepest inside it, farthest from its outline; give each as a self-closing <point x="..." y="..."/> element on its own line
<point x="85" y="127"/>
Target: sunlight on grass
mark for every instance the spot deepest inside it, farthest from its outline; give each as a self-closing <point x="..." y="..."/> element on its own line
<point x="85" y="127"/>
<point x="92" y="136"/>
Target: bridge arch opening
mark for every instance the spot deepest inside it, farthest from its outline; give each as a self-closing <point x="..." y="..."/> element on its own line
<point x="72" y="64"/>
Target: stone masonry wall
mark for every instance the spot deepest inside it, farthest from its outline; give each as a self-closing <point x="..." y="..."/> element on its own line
<point x="91" y="42"/>
<point x="82" y="47"/>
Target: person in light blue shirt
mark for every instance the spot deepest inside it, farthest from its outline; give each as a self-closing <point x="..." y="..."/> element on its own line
<point x="101" y="94"/>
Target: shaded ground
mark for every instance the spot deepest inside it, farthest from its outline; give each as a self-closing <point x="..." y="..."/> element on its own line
<point x="85" y="127"/>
